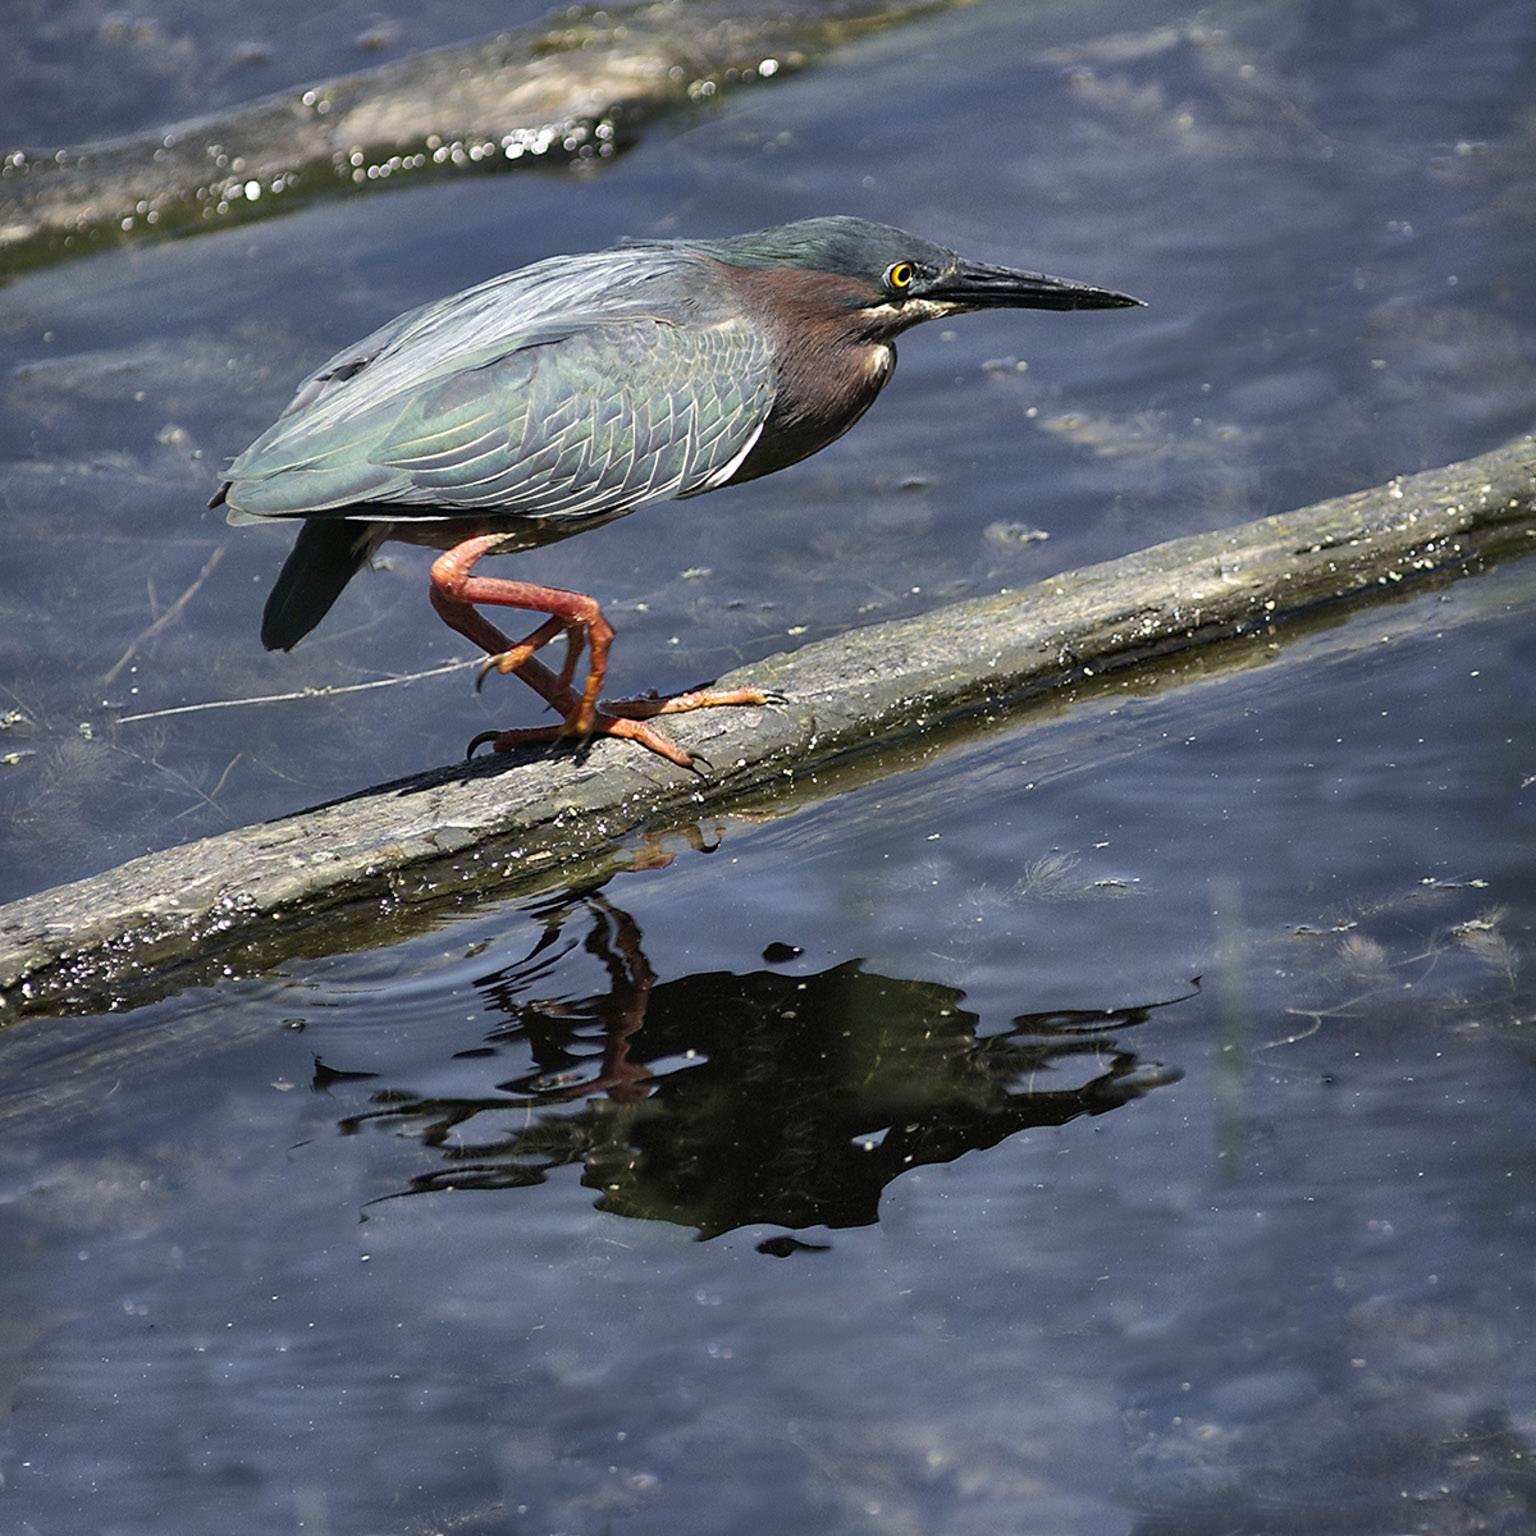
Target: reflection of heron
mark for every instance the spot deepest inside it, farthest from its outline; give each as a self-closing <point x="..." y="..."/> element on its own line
<point x="721" y="1100"/>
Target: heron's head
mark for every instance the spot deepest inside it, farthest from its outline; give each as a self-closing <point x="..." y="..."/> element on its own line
<point x="899" y="279"/>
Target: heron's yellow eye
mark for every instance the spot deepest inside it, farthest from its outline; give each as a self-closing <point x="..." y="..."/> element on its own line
<point x="899" y="276"/>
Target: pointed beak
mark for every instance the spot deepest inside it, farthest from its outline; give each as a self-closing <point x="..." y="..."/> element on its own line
<point x="975" y="285"/>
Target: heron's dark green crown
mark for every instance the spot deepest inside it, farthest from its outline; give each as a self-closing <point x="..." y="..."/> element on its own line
<point x="842" y="245"/>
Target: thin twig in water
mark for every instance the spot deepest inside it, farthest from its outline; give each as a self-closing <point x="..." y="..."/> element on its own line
<point x="213" y="794"/>
<point x="176" y="777"/>
<point x="113" y="672"/>
<point x="326" y="692"/>
<point x="1318" y="1016"/>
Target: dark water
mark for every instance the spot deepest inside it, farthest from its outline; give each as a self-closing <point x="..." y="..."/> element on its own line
<point x="887" y="1168"/>
<point x="79" y="70"/>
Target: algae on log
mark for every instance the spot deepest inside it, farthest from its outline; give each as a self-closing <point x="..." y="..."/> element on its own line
<point x="516" y="823"/>
<point x="573" y="90"/>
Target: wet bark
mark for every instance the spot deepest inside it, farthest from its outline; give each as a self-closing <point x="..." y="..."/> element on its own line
<point x="370" y="868"/>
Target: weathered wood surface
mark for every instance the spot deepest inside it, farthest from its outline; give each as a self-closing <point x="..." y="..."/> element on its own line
<point x="575" y="89"/>
<point x="512" y="824"/>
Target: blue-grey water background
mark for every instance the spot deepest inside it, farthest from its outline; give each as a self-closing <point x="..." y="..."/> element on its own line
<point x="885" y="1169"/>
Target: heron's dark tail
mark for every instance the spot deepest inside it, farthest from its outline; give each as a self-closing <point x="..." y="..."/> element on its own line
<point x="323" y="560"/>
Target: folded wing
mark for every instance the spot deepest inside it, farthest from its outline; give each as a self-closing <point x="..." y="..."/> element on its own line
<point x="543" y="413"/>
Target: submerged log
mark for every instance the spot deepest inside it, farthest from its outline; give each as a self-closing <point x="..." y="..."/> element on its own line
<point x="365" y="869"/>
<point x="574" y="90"/>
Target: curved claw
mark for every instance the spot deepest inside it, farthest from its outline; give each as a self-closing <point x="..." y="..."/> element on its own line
<point x="482" y="672"/>
<point x="478" y="742"/>
<point x="581" y="722"/>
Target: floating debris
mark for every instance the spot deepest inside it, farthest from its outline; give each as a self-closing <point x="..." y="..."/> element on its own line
<point x="1011" y="535"/>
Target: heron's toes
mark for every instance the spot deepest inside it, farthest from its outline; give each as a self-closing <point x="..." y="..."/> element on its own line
<point x="503" y="662"/>
<point x="581" y="722"/>
<point x="603" y="724"/>
<point x="648" y="706"/>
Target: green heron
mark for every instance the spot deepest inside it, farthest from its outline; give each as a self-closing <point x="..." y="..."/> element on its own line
<point x="561" y="396"/>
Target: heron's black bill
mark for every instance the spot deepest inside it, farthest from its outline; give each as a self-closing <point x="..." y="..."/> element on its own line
<point x="982" y="287"/>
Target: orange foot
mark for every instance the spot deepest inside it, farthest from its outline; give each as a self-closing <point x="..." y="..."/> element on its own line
<point x="625" y="718"/>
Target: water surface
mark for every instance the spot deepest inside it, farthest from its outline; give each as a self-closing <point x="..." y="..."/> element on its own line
<point x="1115" y="1124"/>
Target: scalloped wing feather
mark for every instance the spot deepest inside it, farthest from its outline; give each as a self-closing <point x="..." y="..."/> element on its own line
<point x="589" y="421"/>
<point x="576" y="387"/>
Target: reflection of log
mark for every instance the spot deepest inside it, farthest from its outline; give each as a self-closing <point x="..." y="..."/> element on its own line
<point x="573" y="90"/>
<point x="352" y="872"/>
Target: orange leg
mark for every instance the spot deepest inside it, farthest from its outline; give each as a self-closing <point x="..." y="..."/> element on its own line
<point x="454" y="592"/>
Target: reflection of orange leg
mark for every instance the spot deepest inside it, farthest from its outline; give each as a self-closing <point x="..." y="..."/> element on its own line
<point x="454" y="592"/>
<point x="632" y="979"/>
<point x="615" y="940"/>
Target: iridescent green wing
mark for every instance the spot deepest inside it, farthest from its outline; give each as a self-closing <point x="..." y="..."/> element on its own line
<point x="582" y="419"/>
